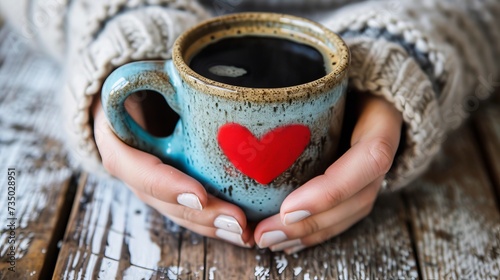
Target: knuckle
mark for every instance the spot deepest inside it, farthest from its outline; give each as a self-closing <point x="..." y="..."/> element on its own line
<point x="311" y="226"/>
<point x="335" y="195"/>
<point x="381" y="155"/>
<point x="188" y="214"/>
<point x="152" y="185"/>
<point x="323" y="236"/>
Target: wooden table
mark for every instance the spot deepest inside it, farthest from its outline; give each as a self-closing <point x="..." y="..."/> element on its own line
<point x="72" y="225"/>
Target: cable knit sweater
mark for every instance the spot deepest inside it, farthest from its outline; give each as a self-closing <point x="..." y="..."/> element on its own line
<point x="429" y="58"/>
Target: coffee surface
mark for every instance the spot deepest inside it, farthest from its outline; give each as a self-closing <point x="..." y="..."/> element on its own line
<point x="259" y="62"/>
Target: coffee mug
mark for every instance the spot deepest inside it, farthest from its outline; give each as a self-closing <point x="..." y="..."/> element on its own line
<point x="260" y="99"/>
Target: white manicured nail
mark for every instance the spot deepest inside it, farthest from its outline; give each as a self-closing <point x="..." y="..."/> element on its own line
<point x="228" y="223"/>
<point x="294" y="249"/>
<point x="296" y="216"/>
<point x="231" y="237"/>
<point x="189" y="200"/>
<point x="284" y="245"/>
<point x="272" y="237"/>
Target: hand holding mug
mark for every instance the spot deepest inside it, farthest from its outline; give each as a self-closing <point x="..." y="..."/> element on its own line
<point x="345" y="193"/>
<point x="171" y="192"/>
<point x="260" y="98"/>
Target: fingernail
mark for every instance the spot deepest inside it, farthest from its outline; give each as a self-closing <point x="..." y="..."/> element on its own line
<point x="232" y="238"/>
<point x="284" y="245"/>
<point x="294" y="249"/>
<point x="228" y="223"/>
<point x="296" y="216"/>
<point x="272" y="237"/>
<point x="189" y="200"/>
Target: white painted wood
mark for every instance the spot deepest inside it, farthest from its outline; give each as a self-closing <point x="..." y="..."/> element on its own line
<point x="454" y="216"/>
<point x="30" y="143"/>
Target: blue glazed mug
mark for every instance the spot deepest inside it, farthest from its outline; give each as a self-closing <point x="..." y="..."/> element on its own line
<point x="250" y="146"/>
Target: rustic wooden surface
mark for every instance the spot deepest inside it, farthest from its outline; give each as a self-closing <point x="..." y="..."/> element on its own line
<point x="446" y="225"/>
<point x="29" y="143"/>
<point x="114" y="235"/>
<point x="454" y="216"/>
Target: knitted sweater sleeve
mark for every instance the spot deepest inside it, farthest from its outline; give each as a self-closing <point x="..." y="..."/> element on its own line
<point x="428" y="57"/>
<point x="433" y="59"/>
<point x="90" y="38"/>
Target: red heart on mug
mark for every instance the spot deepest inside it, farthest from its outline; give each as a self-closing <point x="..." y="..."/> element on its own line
<point x="266" y="158"/>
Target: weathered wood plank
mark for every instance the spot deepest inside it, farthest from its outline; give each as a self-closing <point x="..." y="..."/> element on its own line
<point x="379" y="247"/>
<point x="192" y="256"/>
<point x="227" y="261"/>
<point x="30" y="143"/>
<point x="112" y="234"/>
<point x="454" y="215"/>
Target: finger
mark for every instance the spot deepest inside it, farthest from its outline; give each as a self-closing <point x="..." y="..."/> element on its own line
<point x="317" y="237"/>
<point x="271" y="231"/>
<point x="144" y="172"/>
<point x="218" y="220"/>
<point x="134" y="108"/>
<point x="373" y="111"/>
<point x="323" y="235"/>
<point x="216" y="233"/>
<point x="294" y="245"/>
<point x="376" y="139"/>
<point x="217" y="213"/>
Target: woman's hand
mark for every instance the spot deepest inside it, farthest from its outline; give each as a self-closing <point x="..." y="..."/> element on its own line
<point x="331" y="203"/>
<point x="171" y="192"/>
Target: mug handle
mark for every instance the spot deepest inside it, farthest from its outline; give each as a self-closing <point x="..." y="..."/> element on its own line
<point x="157" y="76"/>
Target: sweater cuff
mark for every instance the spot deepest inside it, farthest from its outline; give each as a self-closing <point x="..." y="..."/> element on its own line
<point x="141" y="34"/>
<point x="385" y="68"/>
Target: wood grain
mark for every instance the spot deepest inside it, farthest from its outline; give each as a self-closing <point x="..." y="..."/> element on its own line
<point x="379" y="247"/>
<point x="454" y="217"/>
<point x="192" y="256"/>
<point x="226" y="261"/>
<point x="445" y="226"/>
<point x="114" y="235"/>
<point x="30" y="143"/>
<point x="98" y="244"/>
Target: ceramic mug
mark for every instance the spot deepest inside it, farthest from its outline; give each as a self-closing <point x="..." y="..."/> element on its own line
<point x="249" y="146"/>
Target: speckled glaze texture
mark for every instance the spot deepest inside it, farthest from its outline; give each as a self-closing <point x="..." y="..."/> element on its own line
<point x="204" y="106"/>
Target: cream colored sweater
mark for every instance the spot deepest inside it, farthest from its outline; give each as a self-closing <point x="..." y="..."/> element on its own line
<point x="430" y="58"/>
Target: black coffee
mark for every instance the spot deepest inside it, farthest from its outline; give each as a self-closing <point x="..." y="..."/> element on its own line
<point x="259" y="62"/>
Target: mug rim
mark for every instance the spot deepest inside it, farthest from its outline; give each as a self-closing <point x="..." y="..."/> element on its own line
<point x="239" y="93"/>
